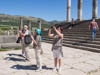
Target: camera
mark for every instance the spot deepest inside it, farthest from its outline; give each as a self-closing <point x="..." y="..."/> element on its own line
<point x="51" y="27"/>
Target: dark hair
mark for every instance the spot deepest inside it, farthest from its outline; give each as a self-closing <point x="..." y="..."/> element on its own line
<point x="60" y="28"/>
<point x="36" y="32"/>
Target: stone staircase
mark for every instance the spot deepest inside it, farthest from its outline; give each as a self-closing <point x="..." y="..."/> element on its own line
<point x="79" y="37"/>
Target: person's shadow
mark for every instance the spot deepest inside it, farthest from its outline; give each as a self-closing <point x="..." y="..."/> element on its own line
<point x="23" y="67"/>
<point x="27" y="67"/>
<point x="12" y="54"/>
<point x="14" y="59"/>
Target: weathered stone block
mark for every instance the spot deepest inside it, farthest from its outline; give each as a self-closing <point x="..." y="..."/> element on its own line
<point x="10" y="45"/>
<point x="9" y="39"/>
<point x="1" y="39"/>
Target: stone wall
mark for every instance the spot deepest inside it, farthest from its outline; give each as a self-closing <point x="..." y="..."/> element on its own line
<point x="8" y="41"/>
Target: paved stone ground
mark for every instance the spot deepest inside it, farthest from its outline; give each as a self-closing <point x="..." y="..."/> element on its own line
<point x="75" y="62"/>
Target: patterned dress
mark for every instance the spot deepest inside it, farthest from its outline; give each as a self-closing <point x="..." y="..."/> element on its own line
<point x="57" y="46"/>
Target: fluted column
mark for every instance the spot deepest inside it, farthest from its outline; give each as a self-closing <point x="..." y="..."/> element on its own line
<point x="68" y="10"/>
<point x="21" y="23"/>
<point x="40" y="25"/>
<point x="79" y="10"/>
<point x="94" y="10"/>
<point x="29" y="26"/>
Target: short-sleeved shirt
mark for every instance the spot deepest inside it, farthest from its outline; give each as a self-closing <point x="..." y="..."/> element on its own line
<point x="27" y="32"/>
<point x="93" y="25"/>
<point x="38" y="40"/>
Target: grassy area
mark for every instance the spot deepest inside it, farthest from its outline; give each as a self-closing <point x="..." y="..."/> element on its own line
<point x="7" y="49"/>
<point x="7" y="28"/>
<point x="18" y="48"/>
<point x="3" y="49"/>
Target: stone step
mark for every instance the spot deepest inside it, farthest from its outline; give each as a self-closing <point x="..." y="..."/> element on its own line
<point x="77" y="30"/>
<point x="78" y="35"/>
<point x="69" y="32"/>
<point x="69" y="40"/>
<point x="82" y="37"/>
<point x="84" y="48"/>
<point x="78" y="38"/>
<point x="74" y="32"/>
<point x="81" y="27"/>
<point x="80" y="47"/>
<point x="84" y="43"/>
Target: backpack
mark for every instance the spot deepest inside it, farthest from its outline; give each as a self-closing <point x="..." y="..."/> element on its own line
<point x="27" y="39"/>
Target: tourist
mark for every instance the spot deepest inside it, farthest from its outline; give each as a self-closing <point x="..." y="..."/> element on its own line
<point x="57" y="46"/>
<point x="38" y="49"/>
<point x="25" y="46"/>
<point x="93" y="27"/>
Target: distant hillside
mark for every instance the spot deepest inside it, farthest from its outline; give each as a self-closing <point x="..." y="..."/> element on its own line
<point x="10" y="20"/>
<point x="55" y="22"/>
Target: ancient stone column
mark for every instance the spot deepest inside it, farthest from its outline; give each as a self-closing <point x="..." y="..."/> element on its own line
<point x="68" y="10"/>
<point x="79" y="10"/>
<point x="94" y="10"/>
<point x="21" y="23"/>
<point x="29" y="26"/>
<point x="40" y="25"/>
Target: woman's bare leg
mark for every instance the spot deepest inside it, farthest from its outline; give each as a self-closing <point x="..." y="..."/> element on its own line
<point x="55" y="62"/>
<point x="59" y="63"/>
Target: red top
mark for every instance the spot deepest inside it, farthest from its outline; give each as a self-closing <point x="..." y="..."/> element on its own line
<point x="93" y="25"/>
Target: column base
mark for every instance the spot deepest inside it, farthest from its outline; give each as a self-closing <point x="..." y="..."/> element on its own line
<point x="94" y="18"/>
<point x="79" y="20"/>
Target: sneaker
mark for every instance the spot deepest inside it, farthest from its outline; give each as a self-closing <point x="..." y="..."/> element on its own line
<point x="23" y="55"/>
<point x="59" y="70"/>
<point x="27" y="59"/>
<point x="39" y="69"/>
<point x="55" y="69"/>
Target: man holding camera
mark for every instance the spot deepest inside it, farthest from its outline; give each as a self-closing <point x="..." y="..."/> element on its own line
<point x="26" y="39"/>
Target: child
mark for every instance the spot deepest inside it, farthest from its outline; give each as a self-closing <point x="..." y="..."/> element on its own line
<point x="57" y="46"/>
<point x="38" y="49"/>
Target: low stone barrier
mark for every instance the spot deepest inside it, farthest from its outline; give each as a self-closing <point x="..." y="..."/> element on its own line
<point x="8" y="41"/>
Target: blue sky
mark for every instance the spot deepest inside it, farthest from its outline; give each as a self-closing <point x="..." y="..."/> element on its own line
<point x="47" y="9"/>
